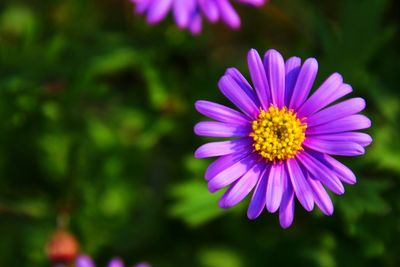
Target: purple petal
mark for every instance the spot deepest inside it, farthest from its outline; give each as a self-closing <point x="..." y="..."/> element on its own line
<point x="349" y="123"/>
<point x="286" y="209"/>
<point x="331" y="90"/>
<point x="195" y="24"/>
<point x="210" y="9"/>
<point x="344" y="173"/>
<point x="183" y="10"/>
<point x="234" y="92"/>
<point x="252" y="2"/>
<point x="223" y="163"/>
<point x="222" y="148"/>
<point x="320" y="172"/>
<point x="158" y="10"/>
<point x="362" y="139"/>
<point x="243" y="83"/>
<point x="232" y="173"/>
<point x="143" y="264"/>
<point x="259" y="78"/>
<point x="337" y="148"/>
<point x="220" y="113"/>
<point x="304" y="83"/>
<point x="338" y="111"/>
<point x="321" y="197"/>
<point x="242" y="187"/>
<point x="228" y="14"/>
<point x="274" y="193"/>
<point x="220" y="129"/>
<point x="292" y="67"/>
<point x="257" y="202"/>
<point x="275" y="70"/>
<point x="300" y="185"/>
<point x="142" y="6"/>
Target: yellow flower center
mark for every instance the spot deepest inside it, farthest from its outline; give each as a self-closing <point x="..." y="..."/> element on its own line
<point x="278" y="134"/>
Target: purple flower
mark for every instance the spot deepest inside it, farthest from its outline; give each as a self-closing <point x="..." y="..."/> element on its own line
<point x="142" y="264"/>
<point x="84" y="261"/>
<point x="116" y="262"/>
<point x="282" y="139"/>
<point x="188" y="13"/>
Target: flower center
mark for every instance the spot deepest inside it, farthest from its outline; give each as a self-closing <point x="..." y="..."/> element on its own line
<point x="277" y="133"/>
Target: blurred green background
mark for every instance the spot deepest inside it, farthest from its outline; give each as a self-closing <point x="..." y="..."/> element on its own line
<point x="96" y="118"/>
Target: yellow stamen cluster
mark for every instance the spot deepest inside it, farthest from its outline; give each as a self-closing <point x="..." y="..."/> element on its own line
<point x="277" y="134"/>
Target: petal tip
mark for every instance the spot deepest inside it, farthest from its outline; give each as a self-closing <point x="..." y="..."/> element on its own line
<point x="272" y="208"/>
<point x="285" y="224"/>
<point x="251" y="216"/>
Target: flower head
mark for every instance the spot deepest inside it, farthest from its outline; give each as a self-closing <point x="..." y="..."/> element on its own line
<point x="188" y="13"/>
<point x="282" y="139"/>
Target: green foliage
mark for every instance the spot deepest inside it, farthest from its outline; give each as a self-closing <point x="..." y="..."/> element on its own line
<point x="96" y="119"/>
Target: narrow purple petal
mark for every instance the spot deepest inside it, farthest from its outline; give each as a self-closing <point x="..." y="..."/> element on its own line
<point x="234" y="92"/>
<point x="228" y="14"/>
<point x="275" y="70"/>
<point x="286" y="209"/>
<point x="243" y="83"/>
<point x="321" y="197"/>
<point x="320" y="172"/>
<point x="277" y="175"/>
<point x="220" y="129"/>
<point x="232" y="173"/>
<point x="242" y="187"/>
<point x="259" y="78"/>
<point x="300" y="185"/>
<point x="158" y="10"/>
<point x="349" y="123"/>
<point x="362" y="139"/>
<point x="195" y="24"/>
<point x="223" y="163"/>
<point x="252" y="2"/>
<point x="304" y="83"/>
<point x="338" y="148"/>
<point x="338" y="111"/>
<point x="210" y="9"/>
<point x="344" y="173"/>
<point x="183" y="10"/>
<point x="331" y="90"/>
<point x="142" y="6"/>
<point x="220" y="113"/>
<point x="292" y="67"/>
<point x="222" y="148"/>
<point x="257" y="202"/>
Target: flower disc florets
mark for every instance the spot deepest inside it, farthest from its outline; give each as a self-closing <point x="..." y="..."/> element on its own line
<point x="278" y="134"/>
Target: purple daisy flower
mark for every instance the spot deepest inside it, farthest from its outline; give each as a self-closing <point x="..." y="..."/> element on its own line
<point x="282" y="140"/>
<point x="188" y="13"/>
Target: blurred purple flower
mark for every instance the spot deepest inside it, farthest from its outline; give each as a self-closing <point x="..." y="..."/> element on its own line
<point x="84" y="261"/>
<point x="188" y="13"/>
<point x="116" y="262"/>
<point x="283" y="138"/>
